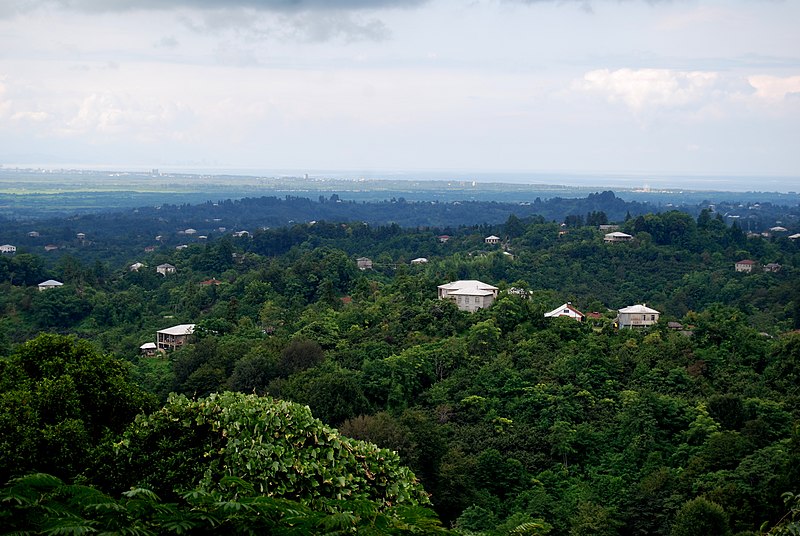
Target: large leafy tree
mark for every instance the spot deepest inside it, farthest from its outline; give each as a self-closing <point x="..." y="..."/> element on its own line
<point x="59" y="399"/>
<point x="277" y="446"/>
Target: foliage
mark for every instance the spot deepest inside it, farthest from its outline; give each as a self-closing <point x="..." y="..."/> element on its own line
<point x="43" y="504"/>
<point x="277" y="446"/>
<point x="59" y="399"/>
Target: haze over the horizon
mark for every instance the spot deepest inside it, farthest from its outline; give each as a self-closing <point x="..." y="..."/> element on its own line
<point x="682" y="87"/>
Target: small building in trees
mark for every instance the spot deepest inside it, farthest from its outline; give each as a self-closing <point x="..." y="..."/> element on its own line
<point x="419" y="260"/>
<point x="772" y="267"/>
<point x="443" y="238"/>
<point x="566" y="310"/>
<point x="136" y="266"/>
<point x="148" y="349"/>
<point x="637" y="316"/>
<point x="174" y="337"/>
<point x="617" y="236"/>
<point x="469" y="295"/>
<point x="50" y="283"/>
<point x="165" y="269"/>
<point x="492" y="239"/>
<point x="363" y="263"/>
<point x="8" y="249"/>
<point x="745" y="266"/>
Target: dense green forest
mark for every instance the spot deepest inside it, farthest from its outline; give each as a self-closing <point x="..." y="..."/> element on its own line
<point x="510" y="422"/>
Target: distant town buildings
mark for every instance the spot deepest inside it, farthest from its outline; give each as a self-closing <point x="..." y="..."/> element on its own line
<point x="469" y="295"/>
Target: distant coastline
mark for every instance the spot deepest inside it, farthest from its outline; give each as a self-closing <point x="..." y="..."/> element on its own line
<point x="770" y="183"/>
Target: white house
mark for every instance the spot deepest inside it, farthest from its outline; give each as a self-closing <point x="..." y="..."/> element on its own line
<point x="8" y="249"/>
<point x="148" y="349"/>
<point x="241" y="234"/>
<point x="50" y="283"/>
<point x="363" y="263"/>
<point x="469" y="295"/>
<point x="566" y="310"/>
<point x="34" y="234"/>
<point x="174" y="337"/>
<point x="794" y="236"/>
<point x="637" y="316"/>
<point x="745" y="265"/>
<point x="136" y="266"/>
<point x="165" y="269"/>
<point x="617" y="236"/>
<point x="419" y="260"/>
<point x="190" y="231"/>
<point x="492" y="239"/>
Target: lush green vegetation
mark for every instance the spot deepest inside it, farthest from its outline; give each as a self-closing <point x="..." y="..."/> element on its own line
<point x="510" y="421"/>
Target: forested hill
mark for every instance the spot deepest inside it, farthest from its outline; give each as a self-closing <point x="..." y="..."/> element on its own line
<point x="262" y="212"/>
<point x="215" y="218"/>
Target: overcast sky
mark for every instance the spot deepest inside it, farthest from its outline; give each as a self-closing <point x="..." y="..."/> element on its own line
<point x="628" y="86"/>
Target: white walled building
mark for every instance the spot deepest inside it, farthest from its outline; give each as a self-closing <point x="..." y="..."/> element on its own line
<point x="637" y="316"/>
<point x="469" y="295"/>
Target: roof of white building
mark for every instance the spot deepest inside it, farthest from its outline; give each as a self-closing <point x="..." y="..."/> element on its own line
<point x="50" y="283"/>
<point x="618" y="234"/>
<point x="639" y="309"/>
<point x="563" y="310"/>
<point x="180" y="329"/>
<point x="469" y="287"/>
<point x="148" y="346"/>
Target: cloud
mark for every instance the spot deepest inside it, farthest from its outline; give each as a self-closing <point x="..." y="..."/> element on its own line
<point x="643" y="90"/>
<point x="775" y="88"/>
<point x="166" y="42"/>
<point x="288" y="6"/>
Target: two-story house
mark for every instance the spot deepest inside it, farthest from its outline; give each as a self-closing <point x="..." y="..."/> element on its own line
<point x="469" y="295"/>
<point x="174" y="337"/>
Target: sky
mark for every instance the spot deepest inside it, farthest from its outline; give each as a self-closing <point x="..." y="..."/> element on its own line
<point x="688" y="87"/>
